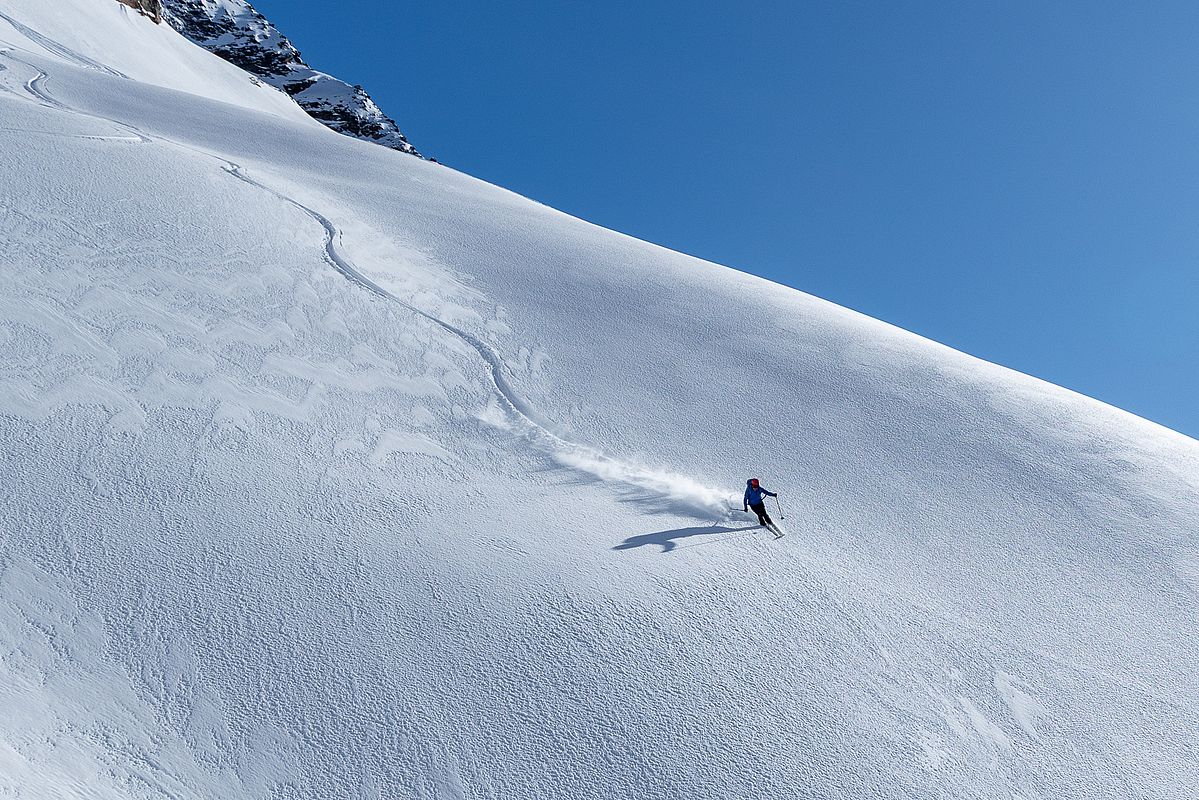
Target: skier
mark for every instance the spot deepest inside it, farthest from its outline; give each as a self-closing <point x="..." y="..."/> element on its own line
<point x="755" y="498"/>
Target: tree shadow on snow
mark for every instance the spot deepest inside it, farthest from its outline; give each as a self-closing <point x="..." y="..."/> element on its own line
<point x="668" y="539"/>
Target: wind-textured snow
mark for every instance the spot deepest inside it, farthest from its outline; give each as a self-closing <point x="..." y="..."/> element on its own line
<point x="330" y="472"/>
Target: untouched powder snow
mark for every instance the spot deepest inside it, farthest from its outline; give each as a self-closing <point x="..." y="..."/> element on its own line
<point x="330" y="472"/>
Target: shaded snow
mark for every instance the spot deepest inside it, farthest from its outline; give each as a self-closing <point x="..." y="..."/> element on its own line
<point x="335" y="473"/>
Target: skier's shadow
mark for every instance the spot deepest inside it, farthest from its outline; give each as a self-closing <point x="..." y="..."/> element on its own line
<point x="668" y="539"/>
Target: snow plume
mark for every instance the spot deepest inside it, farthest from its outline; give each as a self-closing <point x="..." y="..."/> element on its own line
<point x="657" y="489"/>
<point x="653" y="488"/>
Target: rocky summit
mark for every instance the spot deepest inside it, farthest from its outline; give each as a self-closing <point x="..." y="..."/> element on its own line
<point x="238" y="33"/>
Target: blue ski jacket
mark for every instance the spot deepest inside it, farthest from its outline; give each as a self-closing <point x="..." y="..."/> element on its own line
<point x="754" y="496"/>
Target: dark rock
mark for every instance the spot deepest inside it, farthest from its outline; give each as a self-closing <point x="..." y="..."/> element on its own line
<point x="235" y="31"/>
<point x="151" y="8"/>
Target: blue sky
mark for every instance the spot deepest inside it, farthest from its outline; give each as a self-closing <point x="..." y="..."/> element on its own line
<point x="1019" y="180"/>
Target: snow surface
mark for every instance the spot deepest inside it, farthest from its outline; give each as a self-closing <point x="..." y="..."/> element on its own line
<point x="114" y="39"/>
<point x="329" y="472"/>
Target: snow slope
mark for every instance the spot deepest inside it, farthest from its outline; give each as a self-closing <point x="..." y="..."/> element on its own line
<point x="331" y="472"/>
<point x="107" y="37"/>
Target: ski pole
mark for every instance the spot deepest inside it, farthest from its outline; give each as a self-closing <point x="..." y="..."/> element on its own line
<point x="780" y="507"/>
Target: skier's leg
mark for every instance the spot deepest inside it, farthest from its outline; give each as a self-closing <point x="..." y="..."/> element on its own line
<point x="765" y="521"/>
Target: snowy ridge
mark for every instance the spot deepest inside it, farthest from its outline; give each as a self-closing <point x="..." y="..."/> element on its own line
<point x="331" y="473"/>
<point x="235" y="31"/>
<point x="83" y="36"/>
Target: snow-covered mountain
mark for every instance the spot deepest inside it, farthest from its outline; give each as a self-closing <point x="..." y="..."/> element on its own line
<point x="332" y="473"/>
<point x="236" y="32"/>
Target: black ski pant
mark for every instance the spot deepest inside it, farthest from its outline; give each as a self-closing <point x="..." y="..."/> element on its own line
<point x="763" y="517"/>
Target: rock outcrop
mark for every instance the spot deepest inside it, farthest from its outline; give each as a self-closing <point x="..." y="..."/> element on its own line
<point x="151" y="8"/>
<point x="235" y="31"/>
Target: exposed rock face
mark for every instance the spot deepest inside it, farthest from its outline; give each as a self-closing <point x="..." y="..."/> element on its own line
<point x="151" y="8"/>
<point x="236" y="32"/>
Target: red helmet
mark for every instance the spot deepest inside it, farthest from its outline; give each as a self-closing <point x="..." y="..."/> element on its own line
<point x="753" y="482"/>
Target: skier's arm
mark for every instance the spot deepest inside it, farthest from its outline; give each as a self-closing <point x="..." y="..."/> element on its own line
<point x="772" y="494"/>
<point x="745" y="501"/>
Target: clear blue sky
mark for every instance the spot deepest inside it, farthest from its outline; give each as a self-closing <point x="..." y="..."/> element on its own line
<point x="1019" y="180"/>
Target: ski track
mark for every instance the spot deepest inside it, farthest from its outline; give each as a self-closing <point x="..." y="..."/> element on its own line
<point x="34" y="86"/>
<point x="654" y="487"/>
<point x="533" y="425"/>
<point x="60" y="50"/>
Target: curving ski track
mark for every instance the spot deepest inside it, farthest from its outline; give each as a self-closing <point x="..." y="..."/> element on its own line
<point x="58" y="49"/>
<point x="677" y="493"/>
<point x="34" y="87"/>
<point x="507" y="393"/>
<point x="573" y="455"/>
